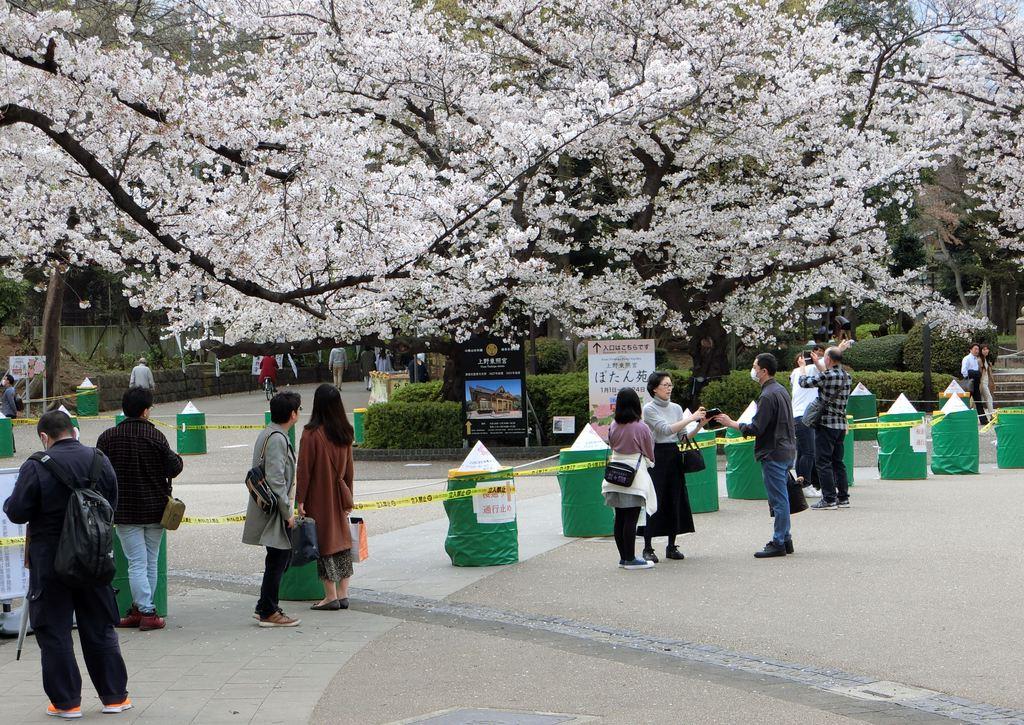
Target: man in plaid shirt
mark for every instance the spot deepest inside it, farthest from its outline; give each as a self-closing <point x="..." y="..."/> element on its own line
<point x="833" y="384"/>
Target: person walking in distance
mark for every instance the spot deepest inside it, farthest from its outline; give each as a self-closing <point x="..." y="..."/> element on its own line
<point x="774" y="446"/>
<point x="986" y="384"/>
<point x="367" y="364"/>
<point x="325" y="477"/>
<point x="833" y="384"/>
<point x="970" y="370"/>
<point x="142" y="376"/>
<point x="337" y="362"/>
<point x="274" y="452"/>
<point x="40" y="499"/>
<point x="145" y="465"/>
<point x="8" y="400"/>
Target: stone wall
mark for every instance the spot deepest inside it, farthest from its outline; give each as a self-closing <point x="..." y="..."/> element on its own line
<point x="198" y="381"/>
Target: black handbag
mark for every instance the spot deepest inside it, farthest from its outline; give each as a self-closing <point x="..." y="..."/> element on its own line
<point x="812" y="413"/>
<point x="304" y="546"/>
<point x="693" y="458"/>
<point x="797" y="500"/>
<point x="621" y="474"/>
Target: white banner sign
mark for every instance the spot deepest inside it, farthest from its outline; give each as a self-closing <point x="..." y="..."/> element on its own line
<point x="495" y="508"/>
<point x="613" y="365"/>
<point x="13" y="574"/>
<point x="26" y="366"/>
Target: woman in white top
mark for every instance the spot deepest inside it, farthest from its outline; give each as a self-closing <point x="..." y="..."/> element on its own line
<point x="668" y="423"/>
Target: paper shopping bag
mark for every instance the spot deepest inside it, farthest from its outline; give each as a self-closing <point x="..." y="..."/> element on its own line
<point x="360" y="547"/>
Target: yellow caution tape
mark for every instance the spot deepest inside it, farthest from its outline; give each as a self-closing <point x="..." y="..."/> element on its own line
<point x="12" y="541"/>
<point x="79" y="418"/>
<point x="183" y="427"/>
<point x="434" y="497"/>
<point x="234" y="518"/>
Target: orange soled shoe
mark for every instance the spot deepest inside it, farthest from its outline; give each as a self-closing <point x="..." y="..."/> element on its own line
<point x="69" y="714"/>
<point x="132" y="619"/>
<point x="118" y="707"/>
<point x="151" y="621"/>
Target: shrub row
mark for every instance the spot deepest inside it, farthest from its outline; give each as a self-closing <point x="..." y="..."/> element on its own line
<point x="946" y="350"/>
<point x="733" y="393"/>
<point x="435" y="424"/>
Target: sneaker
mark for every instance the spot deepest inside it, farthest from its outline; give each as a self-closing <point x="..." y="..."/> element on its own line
<point x="789" y="546"/>
<point x="622" y="563"/>
<point x="673" y="552"/>
<point x="650" y="556"/>
<point x="771" y="549"/>
<point x="118" y="707"/>
<point x="69" y="714"/>
<point x="638" y="564"/>
<point x="132" y="619"/>
<point x="151" y="621"/>
<point x="279" y="619"/>
<point x="824" y="504"/>
<point x="843" y="503"/>
<point x="811" y="492"/>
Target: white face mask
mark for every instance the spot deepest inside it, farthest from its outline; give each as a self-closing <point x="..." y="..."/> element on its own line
<point x="753" y="375"/>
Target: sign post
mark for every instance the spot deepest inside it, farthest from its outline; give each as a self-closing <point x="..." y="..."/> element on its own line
<point x="494" y="395"/>
<point x="613" y="365"/>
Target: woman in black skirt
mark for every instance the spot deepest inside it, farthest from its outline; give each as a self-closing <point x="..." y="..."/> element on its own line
<point x="668" y="423"/>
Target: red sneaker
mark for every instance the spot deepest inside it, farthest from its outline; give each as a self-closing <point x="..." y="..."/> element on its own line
<point x="132" y="619"/>
<point x="151" y="621"/>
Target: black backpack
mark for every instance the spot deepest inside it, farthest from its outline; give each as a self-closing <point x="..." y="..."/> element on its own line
<point x="85" y="551"/>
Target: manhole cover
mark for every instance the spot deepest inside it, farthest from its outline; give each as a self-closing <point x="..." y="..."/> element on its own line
<point x="885" y="690"/>
<point x="482" y="716"/>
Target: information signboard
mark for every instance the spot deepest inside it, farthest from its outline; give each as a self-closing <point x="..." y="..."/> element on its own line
<point x="613" y="365"/>
<point x="494" y="402"/>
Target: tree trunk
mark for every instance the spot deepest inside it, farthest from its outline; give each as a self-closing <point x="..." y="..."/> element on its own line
<point x="454" y="383"/>
<point x="710" y="361"/>
<point x="52" y="309"/>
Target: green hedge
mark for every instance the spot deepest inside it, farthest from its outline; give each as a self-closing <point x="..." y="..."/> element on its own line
<point x="947" y="349"/>
<point x="876" y="353"/>
<point x="418" y="393"/>
<point x="552" y="395"/>
<point x="785" y="355"/>
<point x="733" y="393"/>
<point x="414" y="425"/>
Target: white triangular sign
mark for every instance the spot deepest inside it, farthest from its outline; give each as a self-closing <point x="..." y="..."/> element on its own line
<point x="954" y="388"/>
<point x="955" y="404"/>
<point x="479" y="459"/>
<point x="87" y="384"/>
<point x="902" y="404"/>
<point x="588" y="440"/>
<point x="189" y="409"/>
<point x="748" y="414"/>
<point x="64" y="410"/>
<point x="861" y="389"/>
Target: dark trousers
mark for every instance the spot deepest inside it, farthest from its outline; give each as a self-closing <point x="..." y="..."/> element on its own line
<point x="95" y="611"/>
<point x="805" y="452"/>
<point x="276" y="563"/>
<point x="625" y="532"/>
<point x="828" y="457"/>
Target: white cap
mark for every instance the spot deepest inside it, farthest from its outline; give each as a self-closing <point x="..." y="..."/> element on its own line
<point x="588" y="440"/>
<point x="954" y="388"/>
<point x="861" y="389"/>
<point x="955" y="404"/>
<point x="87" y="384"/>
<point x="902" y="404"/>
<point x="189" y="409"/>
<point x="479" y="459"/>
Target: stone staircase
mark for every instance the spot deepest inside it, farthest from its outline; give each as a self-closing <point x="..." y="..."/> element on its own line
<point x="1009" y="387"/>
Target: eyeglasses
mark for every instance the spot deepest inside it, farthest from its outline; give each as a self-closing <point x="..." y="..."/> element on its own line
<point x="666" y="384"/>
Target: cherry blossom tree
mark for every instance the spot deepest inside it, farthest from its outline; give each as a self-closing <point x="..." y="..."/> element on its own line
<point x="366" y="169"/>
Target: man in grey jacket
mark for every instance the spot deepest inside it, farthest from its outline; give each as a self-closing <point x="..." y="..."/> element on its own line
<point x="142" y="376"/>
<point x="274" y="452"/>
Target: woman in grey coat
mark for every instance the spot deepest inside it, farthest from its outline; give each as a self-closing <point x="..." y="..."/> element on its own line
<point x="275" y="454"/>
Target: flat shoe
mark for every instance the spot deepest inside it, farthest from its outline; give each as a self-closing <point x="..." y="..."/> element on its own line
<point x="343" y="603"/>
<point x="328" y="607"/>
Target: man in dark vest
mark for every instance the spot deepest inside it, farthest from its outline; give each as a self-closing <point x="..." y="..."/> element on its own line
<point x="40" y="500"/>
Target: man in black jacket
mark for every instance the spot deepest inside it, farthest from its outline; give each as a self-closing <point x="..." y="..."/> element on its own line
<point x="40" y="500"/>
<point x="774" y="446"/>
<point x="145" y="465"/>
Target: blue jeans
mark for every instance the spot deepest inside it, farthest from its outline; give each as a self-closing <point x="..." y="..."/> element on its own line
<point x="805" y="452"/>
<point x="775" y="474"/>
<point x="829" y="447"/>
<point x="141" y="545"/>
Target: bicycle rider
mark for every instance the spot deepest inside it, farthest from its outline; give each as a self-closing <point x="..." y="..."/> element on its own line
<point x="268" y="371"/>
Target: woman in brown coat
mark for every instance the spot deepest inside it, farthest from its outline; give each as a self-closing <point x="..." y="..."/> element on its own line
<point x="324" y="492"/>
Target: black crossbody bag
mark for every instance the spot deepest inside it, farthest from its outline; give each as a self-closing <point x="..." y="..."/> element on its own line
<point x="621" y="474"/>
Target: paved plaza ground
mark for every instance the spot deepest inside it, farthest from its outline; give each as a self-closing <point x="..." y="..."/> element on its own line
<point x="903" y="608"/>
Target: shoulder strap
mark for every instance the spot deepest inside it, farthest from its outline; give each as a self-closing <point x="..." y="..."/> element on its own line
<point x="97" y="467"/>
<point x="57" y="470"/>
<point x="266" y="441"/>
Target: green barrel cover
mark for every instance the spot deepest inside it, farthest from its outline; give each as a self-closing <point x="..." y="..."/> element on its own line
<point x="702" y="487"/>
<point x="119" y="417"/>
<point x="955" y="443"/>
<point x="848" y="451"/>
<point x="583" y="509"/>
<point x="861" y="407"/>
<point x="88" y="401"/>
<point x="291" y="431"/>
<point x="359" y="416"/>
<point x="191" y="442"/>
<point x="470" y="543"/>
<point x="6" y="438"/>
<point x="742" y="471"/>
<point x="1010" y="438"/>
<point x="897" y="461"/>
<point x="301" y="584"/>
<point x="124" y="590"/>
